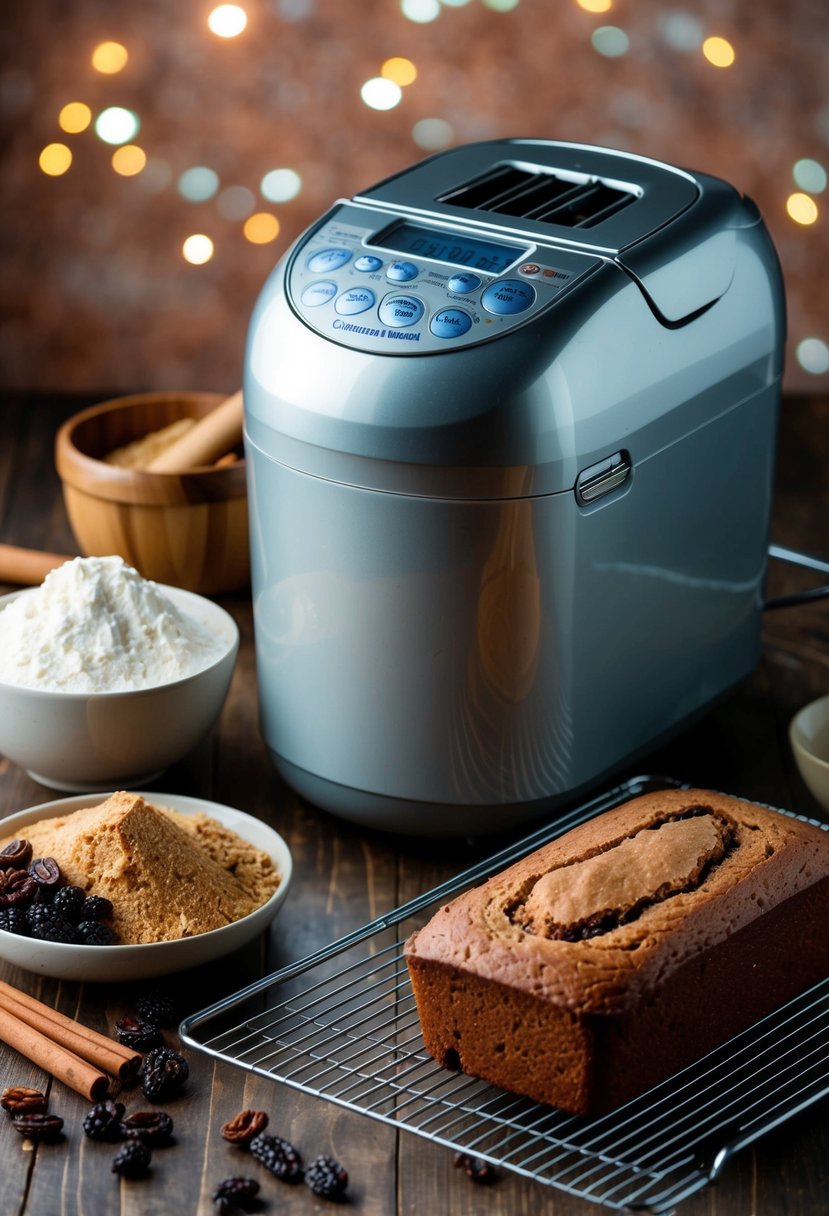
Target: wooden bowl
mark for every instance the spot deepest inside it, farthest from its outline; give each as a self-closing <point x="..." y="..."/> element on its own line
<point x="188" y="529"/>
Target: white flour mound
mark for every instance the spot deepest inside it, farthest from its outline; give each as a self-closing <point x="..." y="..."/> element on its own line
<point x="95" y="625"/>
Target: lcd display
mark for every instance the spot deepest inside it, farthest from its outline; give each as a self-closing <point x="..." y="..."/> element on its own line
<point x="449" y="247"/>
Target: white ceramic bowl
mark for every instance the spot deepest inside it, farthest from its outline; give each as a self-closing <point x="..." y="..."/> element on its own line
<point x="106" y="740"/>
<point x="809" y="737"/>
<point x="122" y="964"/>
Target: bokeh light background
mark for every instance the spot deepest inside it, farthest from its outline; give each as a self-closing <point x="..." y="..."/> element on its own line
<point x="159" y="155"/>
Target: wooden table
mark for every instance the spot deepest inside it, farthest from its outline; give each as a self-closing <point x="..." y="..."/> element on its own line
<point x="345" y="876"/>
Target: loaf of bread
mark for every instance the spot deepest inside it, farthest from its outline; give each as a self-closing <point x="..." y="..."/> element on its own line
<point x="614" y="956"/>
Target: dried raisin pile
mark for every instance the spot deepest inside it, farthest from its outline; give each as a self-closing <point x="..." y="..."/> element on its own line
<point x="36" y="901"/>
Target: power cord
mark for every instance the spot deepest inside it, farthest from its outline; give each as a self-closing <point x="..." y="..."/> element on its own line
<point x="808" y="563"/>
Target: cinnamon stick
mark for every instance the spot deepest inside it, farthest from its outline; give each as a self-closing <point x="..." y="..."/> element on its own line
<point x="23" y="998"/>
<point x="104" y="1054"/>
<point x="53" y="1058"/>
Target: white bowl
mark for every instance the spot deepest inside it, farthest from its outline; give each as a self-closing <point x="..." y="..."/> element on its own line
<point x="106" y="740"/>
<point x="809" y="737"/>
<point x="122" y="964"/>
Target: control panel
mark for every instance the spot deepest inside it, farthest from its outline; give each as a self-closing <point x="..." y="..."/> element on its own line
<point x="384" y="283"/>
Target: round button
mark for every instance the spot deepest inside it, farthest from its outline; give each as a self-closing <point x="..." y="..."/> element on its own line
<point x="368" y="262"/>
<point x="463" y="282"/>
<point x="318" y="293"/>
<point x="401" y="272"/>
<point x="356" y="299"/>
<point x="328" y="259"/>
<point x="508" y="297"/>
<point x="450" y="323"/>
<point x="400" y="311"/>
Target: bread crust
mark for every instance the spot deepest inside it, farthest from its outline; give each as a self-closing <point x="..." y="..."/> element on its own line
<point x="720" y="922"/>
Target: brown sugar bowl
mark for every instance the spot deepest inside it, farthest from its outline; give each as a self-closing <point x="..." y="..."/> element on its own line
<point x="187" y="529"/>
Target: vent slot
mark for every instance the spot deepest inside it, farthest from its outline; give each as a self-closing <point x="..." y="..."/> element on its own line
<point x="544" y="197"/>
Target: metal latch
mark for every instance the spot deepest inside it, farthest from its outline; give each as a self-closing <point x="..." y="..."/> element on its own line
<point x="603" y="477"/>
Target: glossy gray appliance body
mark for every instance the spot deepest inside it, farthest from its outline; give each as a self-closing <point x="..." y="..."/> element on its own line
<point x="495" y="561"/>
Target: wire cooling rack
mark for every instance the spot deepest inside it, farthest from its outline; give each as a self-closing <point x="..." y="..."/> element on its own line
<point x="342" y="1024"/>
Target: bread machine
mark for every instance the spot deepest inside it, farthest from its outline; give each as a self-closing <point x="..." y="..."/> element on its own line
<point x="510" y="421"/>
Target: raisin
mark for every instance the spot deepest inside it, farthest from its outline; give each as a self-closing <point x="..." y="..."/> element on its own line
<point x="151" y="1127"/>
<point x="163" y="1074"/>
<point x="475" y="1168"/>
<point x="140" y="1036"/>
<point x="245" y="1126"/>
<point x="55" y="929"/>
<point x="104" y="1121"/>
<point x="96" y="908"/>
<point x="133" y="1160"/>
<point x="278" y="1156"/>
<point x="236" y="1193"/>
<point x="158" y="1008"/>
<point x="94" y="933"/>
<point x="38" y="1126"/>
<point x="13" y="920"/>
<point x="326" y="1178"/>
<point x="68" y="901"/>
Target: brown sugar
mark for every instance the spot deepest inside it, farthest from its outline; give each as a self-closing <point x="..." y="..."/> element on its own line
<point x="168" y="875"/>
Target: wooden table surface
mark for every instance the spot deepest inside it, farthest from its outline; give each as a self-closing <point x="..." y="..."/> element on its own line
<point x="345" y="877"/>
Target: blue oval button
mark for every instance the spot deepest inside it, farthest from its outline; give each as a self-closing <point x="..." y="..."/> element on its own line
<point x="463" y="283"/>
<point x="508" y="297"/>
<point x="401" y="272"/>
<point x="318" y="293"/>
<point x="356" y="299"/>
<point x="328" y="259"/>
<point x="368" y="262"/>
<point x="400" y="311"/>
<point x="450" y="323"/>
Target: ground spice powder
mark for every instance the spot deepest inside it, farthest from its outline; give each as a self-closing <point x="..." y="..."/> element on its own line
<point x="168" y="875"/>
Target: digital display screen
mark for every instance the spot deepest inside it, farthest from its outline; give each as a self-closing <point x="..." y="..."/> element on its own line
<point x="448" y="247"/>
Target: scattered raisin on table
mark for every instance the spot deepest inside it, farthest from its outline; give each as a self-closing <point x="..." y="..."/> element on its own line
<point x="158" y="1008"/>
<point x="152" y="1127"/>
<point x="38" y="1127"/>
<point x="475" y="1168"/>
<point x="236" y="1193"/>
<point x="326" y="1178"/>
<point x="133" y="1160"/>
<point x="245" y="1126"/>
<point x="104" y="1121"/>
<point x="138" y="1034"/>
<point x="278" y="1156"/>
<point x="163" y="1073"/>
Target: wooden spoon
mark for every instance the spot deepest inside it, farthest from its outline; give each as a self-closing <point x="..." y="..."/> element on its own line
<point x="214" y="435"/>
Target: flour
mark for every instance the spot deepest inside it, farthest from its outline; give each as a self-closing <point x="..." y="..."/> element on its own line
<point x="95" y="625"/>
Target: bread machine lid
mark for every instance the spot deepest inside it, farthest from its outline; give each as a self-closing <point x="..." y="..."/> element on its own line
<point x="586" y="197"/>
<point x="642" y="213"/>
